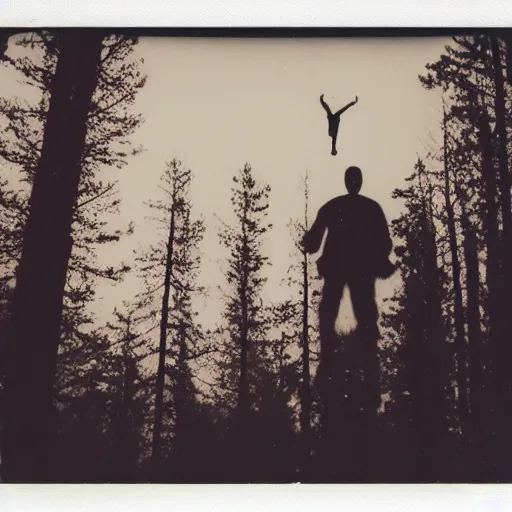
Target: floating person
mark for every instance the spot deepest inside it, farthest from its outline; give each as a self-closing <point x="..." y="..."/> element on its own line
<point x="334" y="121"/>
<point x="355" y="254"/>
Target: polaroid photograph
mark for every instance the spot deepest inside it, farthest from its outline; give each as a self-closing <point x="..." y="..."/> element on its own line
<point x="255" y="257"/>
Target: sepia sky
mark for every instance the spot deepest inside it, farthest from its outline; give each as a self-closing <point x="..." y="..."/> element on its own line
<point x="218" y="103"/>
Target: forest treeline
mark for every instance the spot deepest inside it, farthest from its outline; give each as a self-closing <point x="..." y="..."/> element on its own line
<point x="152" y="395"/>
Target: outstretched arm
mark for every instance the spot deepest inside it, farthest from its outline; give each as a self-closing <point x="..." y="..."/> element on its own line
<point x="326" y="107"/>
<point x="346" y="107"/>
<point x="313" y="238"/>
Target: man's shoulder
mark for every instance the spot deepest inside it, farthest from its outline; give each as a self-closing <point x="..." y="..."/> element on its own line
<point x="349" y="199"/>
<point x="370" y="202"/>
<point x="333" y="202"/>
<point x="332" y="205"/>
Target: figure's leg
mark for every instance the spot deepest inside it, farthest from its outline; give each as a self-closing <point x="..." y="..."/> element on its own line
<point x="325" y="381"/>
<point x="328" y="313"/>
<point x="362" y="292"/>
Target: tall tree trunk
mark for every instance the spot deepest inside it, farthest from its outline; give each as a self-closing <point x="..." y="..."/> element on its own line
<point x="502" y="349"/>
<point x="125" y="456"/>
<point x="35" y="325"/>
<point x="476" y="348"/>
<point x="243" y="384"/>
<point x="162" y="351"/>
<point x="305" y="417"/>
<point x="490" y="231"/>
<point x="474" y="320"/>
<point x="460" y="342"/>
<point x="428" y="346"/>
<point x="494" y="277"/>
<point x="478" y="409"/>
<point x="181" y="393"/>
<point x="181" y="390"/>
<point x="508" y="41"/>
<point x="430" y="409"/>
<point x="504" y="182"/>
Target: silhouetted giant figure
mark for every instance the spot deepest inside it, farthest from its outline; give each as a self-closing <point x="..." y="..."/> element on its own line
<point x="334" y="121"/>
<point x="355" y="254"/>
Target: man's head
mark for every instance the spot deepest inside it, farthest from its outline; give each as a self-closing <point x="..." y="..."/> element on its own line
<point x="353" y="180"/>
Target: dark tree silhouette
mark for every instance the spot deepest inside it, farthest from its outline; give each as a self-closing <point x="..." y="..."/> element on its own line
<point x="129" y="396"/>
<point x="244" y="313"/>
<point x="417" y="320"/>
<point x="304" y="286"/>
<point x="305" y="392"/>
<point x="169" y="270"/>
<point x="41" y="274"/>
<point x="460" y="341"/>
<point x="162" y="352"/>
<point x="108" y="126"/>
<point x="471" y="75"/>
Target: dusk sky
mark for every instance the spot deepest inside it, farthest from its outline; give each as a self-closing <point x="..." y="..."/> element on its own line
<point x="216" y="104"/>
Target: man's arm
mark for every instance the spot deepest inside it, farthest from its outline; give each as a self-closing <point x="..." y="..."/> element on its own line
<point x="313" y="238"/>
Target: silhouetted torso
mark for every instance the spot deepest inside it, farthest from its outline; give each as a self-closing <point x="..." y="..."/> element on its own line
<point x="357" y="235"/>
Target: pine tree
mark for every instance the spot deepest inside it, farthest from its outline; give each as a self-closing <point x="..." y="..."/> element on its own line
<point x="303" y="282"/>
<point x="169" y="271"/>
<point x="129" y="395"/>
<point x="459" y="335"/>
<point x="418" y="324"/>
<point x="41" y="274"/>
<point x="107" y="123"/>
<point x="244" y="312"/>
<point x="471" y="74"/>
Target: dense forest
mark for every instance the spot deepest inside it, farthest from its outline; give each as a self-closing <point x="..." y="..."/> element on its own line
<point x="153" y="396"/>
